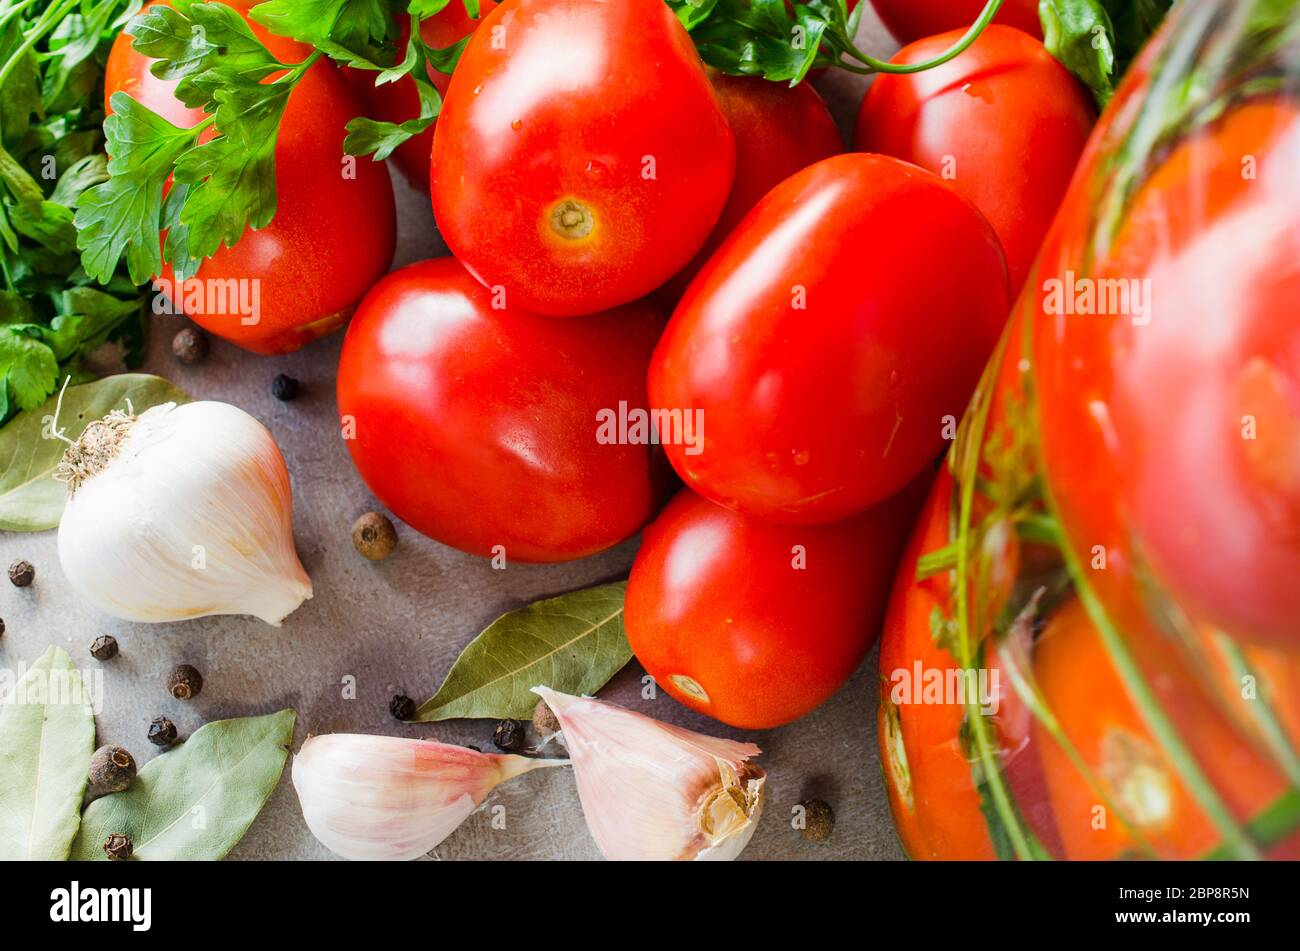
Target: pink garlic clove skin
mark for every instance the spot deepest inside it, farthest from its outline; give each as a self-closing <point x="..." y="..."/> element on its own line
<point x="394" y="799"/>
<point x="653" y="791"/>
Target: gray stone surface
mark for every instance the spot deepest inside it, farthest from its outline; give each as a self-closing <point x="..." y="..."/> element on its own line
<point x="397" y="626"/>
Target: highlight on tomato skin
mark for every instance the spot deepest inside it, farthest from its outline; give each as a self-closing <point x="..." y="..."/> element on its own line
<point x="799" y="340"/>
<point x="332" y="236"/>
<point x="475" y="422"/>
<point x="580" y="182"/>
<point x="1004" y="122"/>
<point x="756" y="624"/>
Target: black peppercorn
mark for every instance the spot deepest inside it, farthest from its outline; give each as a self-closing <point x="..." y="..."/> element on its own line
<point x="185" y="682"/>
<point x="284" y="388"/>
<point x="111" y="770"/>
<point x="509" y="736"/>
<point x="21" y="573"/>
<point x="190" y="346"/>
<point x="104" y="647"/>
<point x="118" y="847"/>
<point x="374" y="536"/>
<point x="818" y="820"/>
<point x="401" y="707"/>
<point x="162" y="732"/>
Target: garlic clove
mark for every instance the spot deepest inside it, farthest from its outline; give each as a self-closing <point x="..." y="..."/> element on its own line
<point x="388" y="798"/>
<point x="181" y="512"/>
<point x="650" y="790"/>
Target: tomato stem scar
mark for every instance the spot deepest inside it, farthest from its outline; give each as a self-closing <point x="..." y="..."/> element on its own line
<point x="571" y="219"/>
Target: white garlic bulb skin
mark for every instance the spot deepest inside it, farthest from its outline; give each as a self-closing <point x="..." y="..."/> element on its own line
<point x="190" y="516"/>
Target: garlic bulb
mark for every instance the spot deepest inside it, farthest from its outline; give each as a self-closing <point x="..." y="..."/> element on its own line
<point x="383" y="797"/>
<point x="651" y="790"/>
<point x="180" y="512"/>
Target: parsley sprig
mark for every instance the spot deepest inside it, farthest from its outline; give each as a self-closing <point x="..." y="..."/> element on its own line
<point x="223" y="183"/>
<point x="222" y="170"/>
<point x="783" y="41"/>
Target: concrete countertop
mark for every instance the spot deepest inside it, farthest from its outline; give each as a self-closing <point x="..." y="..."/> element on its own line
<point x="397" y="626"/>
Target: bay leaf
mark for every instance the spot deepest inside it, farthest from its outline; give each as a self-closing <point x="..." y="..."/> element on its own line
<point x="47" y="736"/>
<point x="573" y="643"/>
<point x="194" y="802"/>
<point x="30" y="499"/>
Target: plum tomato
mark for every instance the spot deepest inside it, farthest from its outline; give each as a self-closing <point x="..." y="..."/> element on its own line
<point x="929" y="776"/>
<point x="1140" y="804"/>
<point x="1004" y="122"/>
<point x="399" y="101"/>
<point x="1175" y="419"/>
<point x="932" y="795"/>
<point x="779" y="130"/>
<point x="756" y="624"/>
<point x="581" y="158"/>
<point x="911" y="20"/>
<point x="335" y="224"/>
<point x="476" y="422"/>
<point x="831" y="339"/>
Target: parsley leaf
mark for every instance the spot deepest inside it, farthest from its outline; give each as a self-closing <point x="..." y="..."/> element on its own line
<point x="52" y="312"/>
<point x="27" y="364"/>
<point x="124" y="213"/>
<point x="1098" y="39"/>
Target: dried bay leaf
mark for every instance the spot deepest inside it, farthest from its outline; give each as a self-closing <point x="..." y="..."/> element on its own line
<point x="47" y="736"/>
<point x="195" y="802"/>
<point x="572" y="643"/>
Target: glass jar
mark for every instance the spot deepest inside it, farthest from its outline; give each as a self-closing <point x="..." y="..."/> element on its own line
<point x="1093" y="646"/>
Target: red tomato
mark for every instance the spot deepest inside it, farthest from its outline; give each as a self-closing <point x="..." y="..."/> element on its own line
<point x="932" y="796"/>
<point x="1180" y="425"/>
<point x="829" y="336"/>
<point x="928" y="770"/>
<point x="1004" y="121"/>
<point x="477" y="425"/>
<point x="756" y="624"/>
<point x="778" y="130"/>
<point x="1080" y="686"/>
<point x="583" y="159"/>
<point x="910" y="20"/>
<point x="332" y="235"/>
<point x="399" y="101"/>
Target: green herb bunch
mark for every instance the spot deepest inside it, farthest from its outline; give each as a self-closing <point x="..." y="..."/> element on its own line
<point x="223" y="168"/>
<point x="52" y="312"/>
